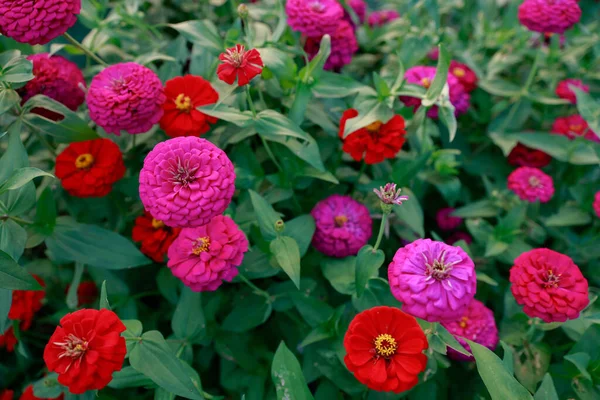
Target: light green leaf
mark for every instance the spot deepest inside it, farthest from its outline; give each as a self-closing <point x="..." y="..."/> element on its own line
<point x="21" y="177"/>
<point x="265" y="215"/>
<point x="370" y="110"/>
<point x="301" y="229"/>
<point x="226" y="113"/>
<point x="411" y="213"/>
<point x="134" y="330"/>
<point x="128" y="377"/>
<point x="479" y="209"/>
<point x="203" y="33"/>
<point x="508" y="360"/>
<point x="588" y="108"/>
<point x="450" y="340"/>
<point x="48" y="387"/>
<point x="340" y="272"/>
<point x="441" y="75"/>
<point x="8" y="99"/>
<point x="546" y="391"/>
<point x="368" y="263"/>
<point x="287" y="376"/>
<point x="568" y="216"/>
<point x="15" y="277"/>
<point x="315" y="66"/>
<point x="286" y="252"/>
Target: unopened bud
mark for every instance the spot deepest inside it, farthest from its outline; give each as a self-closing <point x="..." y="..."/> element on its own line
<point x="242" y="11"/>
<point x="279" y="226"/>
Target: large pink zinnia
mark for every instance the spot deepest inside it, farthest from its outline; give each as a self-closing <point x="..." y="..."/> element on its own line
<point x="531" y="184"/>
<point x="549" y="16"/>
<point x="205" y="256"/>
<point x="343" y="46"/>
<point x="126" y="97"/>
<point x="37" y="21"/>
<point x="186" y="181"/>
<point x="433" y="280"/>
<point x="314" y="18"/>
<point x="549" y="285"/>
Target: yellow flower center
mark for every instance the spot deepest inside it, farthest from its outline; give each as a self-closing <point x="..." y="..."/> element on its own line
<point x="183" y="103"/>
<point x="374" y="127"/>
<point x="534" y="182"/>
<point x="84" y="161"/>
<point x="575" y="128"/>
<point x="201" y="245"/>
<point x="459" y="72"/>
<point x="463" y="322"/>
<point x="426" y="82"/>
<point x="157" y="224"/>
<point x="340" y="220"/>
<point x="551" y="280"/>
<point x="385" y="345"/>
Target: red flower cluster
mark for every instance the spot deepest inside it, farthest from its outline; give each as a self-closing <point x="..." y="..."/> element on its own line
<point x="574" y="126"/>
<point x="384" y="349"/>
<point x="86" y="349"/>
<point x="90" y="168"/>
<point x="239" y="63"/>
<point x="375" y="142"/>
<point x="464" y="74"/>
<point x="184" y="95"/>
<point x="8" y="340"/>
<point x="564" y="91"/>
<point x="523" y="156"/>
<point x="154" y="235"/>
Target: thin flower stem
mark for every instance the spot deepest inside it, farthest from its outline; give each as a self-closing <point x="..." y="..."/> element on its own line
<point x="256" y="289"/>
<point x="19" y="220"/>
<point x="384" y="218"/>
<point x="270" y="153"/>
<point x="44" y="141"/>
<point x="84" y="49"/>
<point x="250" y="102"/>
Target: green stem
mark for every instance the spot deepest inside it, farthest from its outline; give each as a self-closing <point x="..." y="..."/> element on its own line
<point x="207" y="396"/>
<point x="381" y="229"/>
<point x="19" y="220"/>
<point x="269" y="152"/>
<point x="256" y="289"/>
<point x="532" y="72"/>
<point x="42" y="139"/>
<point x="250" y="102"/>
<point x="84" y="49"/>
<point x="72" y="298"/>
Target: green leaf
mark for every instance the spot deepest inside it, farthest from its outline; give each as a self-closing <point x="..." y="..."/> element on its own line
<point x="286" y="252"/>
<point x="15" y="277"/>
<point x="332" y="85"/>
<point x="446" y="114"/>
<point x="153" y="358"/>
<point x="128" y="377"/>
<point x="482" y="277"/>
<point x="441" y="75"/>
<point x="72" y="299"/>
<point x="45" y="215"/>
<point x="588" y="108"/>
<point x="368" y="263"/>
<point x="450" y="340"/>
<point x="104" y="297"/>
<point x="287" y="376"/>
<point x="382" y="88"/>
<point x="568" y="216"/>
<point x="370" y="110"/>
<point x="508" y="360"/>
<point x="48" y="387"/>
<point x="134" y="330"/>
<point x="499" y="382"/>
<point x="315" y="66"/>
<point x="8" y="99"/>
<point x="5" y="303"/>
<point x="21" y="177"/>
<point x="188" y="320"/>
<point x="581" y="361"/>
<point x="16" y="68"/>
<point x="301" y="229"/>
<point x="546" y="391"/>
<point x="340" y="272"/>
<point x="252" y="312"/>
<point x="13" y="238"/>
<point x="411" y="213"/>
<point x="478" y="209"/>
<point x="204" y="33"/>
<point x="239" y="118"/>
<point x="265" y="215"/>
<point x="279" y="62"/>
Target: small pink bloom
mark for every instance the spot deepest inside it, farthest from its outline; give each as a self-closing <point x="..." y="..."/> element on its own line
<point x="574" y="126"/>
<point x="239" y="63"/>
<point x="388" y="194"/>
<point x="531" y="184"/>
<point x="382" y="17"/>
<point x="597" y="204"/>
<point x="446" y="221"/>
<point x="564" y="91"/>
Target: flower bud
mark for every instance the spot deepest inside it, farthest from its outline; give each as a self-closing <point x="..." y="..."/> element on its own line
<point x="279" y="226"/>
<point x="242" y="11"/>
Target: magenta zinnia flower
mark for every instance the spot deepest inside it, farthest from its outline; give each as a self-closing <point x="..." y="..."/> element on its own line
<point x="574" y="126"/>
<point x="237" y="62"/>
<point x="531" y="184"/>
<point x="39" y="21"/>
<point x="360" y="9"/>
<point x="549" y="16"/>
<point x="476" y="324"/>
<point x="382" y="17"/>
<point x="424" y="76"/>
<point x="433" y="280"/>
<point x="126" y="97"/>
<point x="446" y="221"/>
<point x="343" y="46"/>
<point x="205" y="256"/>
<point x="57" y="78"/>
<point x="564" y="91"/>
<point x="343" y="226"/>
<point x="314" y="18"/>
<point x="186" y="181"/>
<point x="596" y="204"/>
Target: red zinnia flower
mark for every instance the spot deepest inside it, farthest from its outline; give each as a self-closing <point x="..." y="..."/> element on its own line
<point x="86" y="349"/>
<point x="573" y="126"/>
<point x="523" y="156"/>
<point x="241" y="63"/>
<point x="87" y="292"/>
<point x="564" y="91"/>
<point x="464" y="74"/>
<point x="90" y="168"/>
<point x="25" y="303"/>
<point x="384" y="349"/>
<point x="375" y="142"/>
<point x="184" y="94"/>
<point x="28" y="395"/>
<point x="7" y="395"/>
<point x="154" y="235"/>
<point x="9" y="341"/>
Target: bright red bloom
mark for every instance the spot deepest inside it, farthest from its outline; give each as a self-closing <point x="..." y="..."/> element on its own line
<point x="384" y="349"/>
<point x="464" y="74"/>
<point x="184" y="94"/>
<point x="549" y="285"/>
<point x="86" y="349"/>
<point x="375" y="142"/>
<point x="9" y="341"/>
<point x="564" y="91"/>
<point x="574" y="126"/>
<point x="523" y="156"/>
<point x="28" y="395"/>
<point x="241" y="63"/>
<point x="7" y="395"/>
<point x="25" y="303"/>
<point x="154" y="235"/>
<point x="90" y="168"/>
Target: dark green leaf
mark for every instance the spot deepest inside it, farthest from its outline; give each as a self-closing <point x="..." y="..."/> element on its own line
<point x="128" y="377"/>
<point x="188" y="321"/>
<point x="411" y="213"/>
<point x="15" y="277"/>
<point x="252" y="312"/>
<point x="368" y="262"/>
<point x="13" y="238"/>
<point x="287" y="376"/>
<point x="546" y="391"/>
<point x="286" y="252"/>
<point x="21" y="177"/>
<point x="104" y="297"/>
<point x="265" y="214"/>
<point x="301" y="229"/>
<point x="5" y="303"/>
<point x="48" y="387"/>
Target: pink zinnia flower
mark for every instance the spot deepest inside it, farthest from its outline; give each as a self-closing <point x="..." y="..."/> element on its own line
<point x="205" y="256"/>
<point x="457" y="236"/>
<point x="564" y="91"/>
<point x="465" y="75"/>
<point x="382" y="17"/>
<point x="531" y="184"/>
<point x="424" y="76"/>
<point x="549" y="16"/>
<point x="186" y="181"/>
<point x="434" y="53"/>
<point x="239" y="63"/>
<point x="476" y="324"/>
<point x="343" y="46"/>
<point x="343" y="226"/>
<point x="433" y="280"/>
<point x="57" y="78"/>
<point x="37" y="22"/>
<point x="596" y="204"/>
<point x="549" y="285"/>
<point x="446" y="221"/>
<point x="314" y="18"/>
<point x="523" y="156"/>
<point x="126" y="97"/>
<point x="574" y="126"/>
<point x="360" y="9"/>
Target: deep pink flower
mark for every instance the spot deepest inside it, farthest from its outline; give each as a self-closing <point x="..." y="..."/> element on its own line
<point x="446" y="221"/>
<point x="205" y="256"/>
<point x="186" y="181"/>
<point x="343" y="226"/>
<point x="564" y="91"/>
<point x="382" y="17"/>
<point x="360" y="9"/>
<point x="531" y="184"/>
<point x="465" y="75"/>
<point x="314" y="18"/>
<point x="434" y="53"/>
<point x="597" y="204"/>
<point x="549" y="285"/>
<point x="57" y="78"/>
<point x="549" y="16"/>
<point x="476" y="324"/>
<point x="423" y="76"/>
<point x="523" y="156"/>
<point x="237" y="62"/>
<point x="39" y="21"/>
<point x="126" y="97"/>
<point x="457" y="236"/>
<point x="433" y="280"/>
<point x="343" y="46"/>
<point x="574" y="126"/>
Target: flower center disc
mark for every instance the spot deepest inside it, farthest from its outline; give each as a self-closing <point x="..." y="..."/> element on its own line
<point x="551" y="280"/>
<point x="374" y="127"/>
<point x="463" y="322"/>
<point x="438" y="269"/>
<point x="340" y="220"/>
<point x="201" y="245"/>
<point x="426" y="82"/>
<point x="157" y="224"/>
<point x="72" y="346"/>
<point x="459" y="72"/>
<point x="534" y="182"/>
<point x="84" y="161"/>
<point x="575" y="128"/>
<point x="183" y="103"/>
<point x="385" y="345"/>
